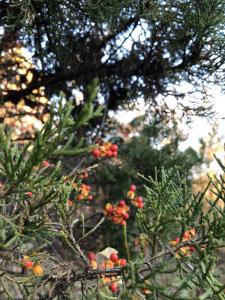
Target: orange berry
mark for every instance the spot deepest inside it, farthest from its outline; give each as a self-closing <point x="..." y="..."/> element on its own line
<point x="192" y="232"/>
<point x="106" y="279"/>
<point x="109" y="264"/>
<point x="80" y="197"/>
<point x="93" y="264"/>
<point x="37" y="270"/>
<point x="173" y="243"/>
<point x="184" y="250"/>
<point x="131" y="194"/>
<point x="108" y="206"/>
<point x="85" y="187"/>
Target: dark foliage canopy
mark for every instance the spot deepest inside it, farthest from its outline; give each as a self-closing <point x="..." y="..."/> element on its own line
<point x="135" y="48"/>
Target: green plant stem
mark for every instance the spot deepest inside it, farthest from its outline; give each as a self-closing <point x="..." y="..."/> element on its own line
<point x="126" y="242"/>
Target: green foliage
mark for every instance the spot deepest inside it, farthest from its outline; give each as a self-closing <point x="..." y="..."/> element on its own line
<point x="87" y="113"/>
<point x="143" y="154"/>
<point x="172" y="245"/>
<point x="171" y="274"/>
<point x="74" y="42"/>
<point x="33" y="199"/>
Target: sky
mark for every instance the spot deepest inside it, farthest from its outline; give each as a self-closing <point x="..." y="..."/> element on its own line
<point x="198" y="128"/>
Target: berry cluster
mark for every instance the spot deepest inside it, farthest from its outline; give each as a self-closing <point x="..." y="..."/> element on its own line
<point x="135" y="200"/>
<point x="186" y="250"/>
<point x="105" y="150"/>
<point x="118" y="214"/>
<point x="113" y="261"/>
<point x="35" y="268"/>
<point x="84" y="192"/>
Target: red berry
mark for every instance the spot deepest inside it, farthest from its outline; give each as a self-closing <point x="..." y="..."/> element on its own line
<point x="91" y="255"/>
<point x="115" y="219"/>
<point x="122" y="203"/>
<point x="140" y="205"/>
<point x="119" y="212"/>
<point x="96" y="152"/>
<point x="139" y="199"/>
<point x="29" y="194"/>
<point x="192" y="249"/>
<point x="114" y="257"/>
<point x="186" y="235"/>
<point x="113" y="287"/>
<point x="110" y="210"/>
<point x="114" y="153"/>
<point x="132" y="188"/>
<point x="122" y="262"/>
<point x="114" y="148"/>
<point x="90" y="197"/>
<point x="45" y="164"/>
<point x="28" y="264"/>
<point x="123" y="222"/>
<point x="125" y="216"/>
<point x="177" y="240"/>
<point x="109" y="153"/>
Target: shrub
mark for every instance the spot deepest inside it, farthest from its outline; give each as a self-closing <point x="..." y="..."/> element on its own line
<point x="171" y="254"/>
